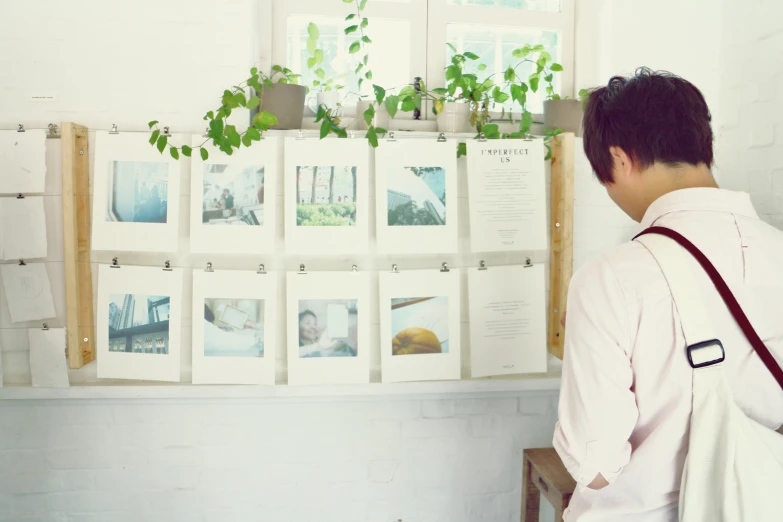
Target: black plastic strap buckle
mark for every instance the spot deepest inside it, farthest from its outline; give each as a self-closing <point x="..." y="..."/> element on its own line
<point x="701" y="346"/>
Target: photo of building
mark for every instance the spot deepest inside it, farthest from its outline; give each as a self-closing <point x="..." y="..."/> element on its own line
<point x="416" y="196"/>
<point x="138" y="192"/>
<point x="139" y="324"/>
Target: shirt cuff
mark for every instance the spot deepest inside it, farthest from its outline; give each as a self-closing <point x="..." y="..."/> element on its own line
<point x="595" y="458"/>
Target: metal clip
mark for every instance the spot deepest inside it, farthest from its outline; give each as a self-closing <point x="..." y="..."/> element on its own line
<point x="20" y="128"/>
<point x="352" y="134"/>
<point x="52" y="131"/>
<point x="22" y="263"/>
<point x="261" y="269"/>
<point x="482" y="265"/>
<point x="354" y="268"/>
<point x="528" y="262"/>
<point x="45" y="326"/>
<point x="166" y="132"/>
<point x="167" y="266"/>
<point x="394" y="269"/>
<point x="482" y="137"/>
<point x="444" y="267"/>
<point x="114" y="129"/>
<point x="209" y="267"/>
<point x="115" y="263"/>
<point x="300" y="134"/>
<point x="390" y="137"/>
<point x="20" y="196"/>
<point x="442" y="137"/>
<point x="302" y="269"/>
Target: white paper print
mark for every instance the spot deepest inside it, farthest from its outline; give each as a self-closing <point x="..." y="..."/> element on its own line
<point x="507" y="320"/>
<point x="23" y="221"/>
<point x="28" y="292"/>
<point x="420" y="325"/>
<point x="135" y="195"/>
<point x="233" y="199"/>
<point x="507" y="195"/>
<point x="416" y="197"/>
<point x="326" y="203"/>
<point x="48" y="362"/>
<point x="234" y="322"/>
<point x="139" y="323"/>
<point x="22" y="162"/>
<point x="328" y="327"/>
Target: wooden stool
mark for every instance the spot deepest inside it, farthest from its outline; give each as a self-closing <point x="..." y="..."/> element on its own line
<point x="543" y="473"/>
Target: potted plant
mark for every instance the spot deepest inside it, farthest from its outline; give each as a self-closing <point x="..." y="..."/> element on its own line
<point x="325" y="89"/>
<point x="281" y="95"/>
<point x="564" y="113"/>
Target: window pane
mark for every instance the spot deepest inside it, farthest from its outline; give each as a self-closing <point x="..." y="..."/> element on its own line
<point x="389" y="53"/>
<point x="494" y="45"/>
<point x="553" y="6"/>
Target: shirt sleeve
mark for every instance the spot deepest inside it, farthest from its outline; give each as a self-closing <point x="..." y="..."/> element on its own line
<point x="597" y="410"/>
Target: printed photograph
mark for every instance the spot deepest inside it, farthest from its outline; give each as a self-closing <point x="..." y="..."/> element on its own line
<point x="233" y="195"/>
<point x="138" y="192"/>
<point x="327" y="328"/>
<point x="416" y="196"/>
<point x="233" y="327"/>
<point x="420" y="325"/>
<point x="326" y="196"/>
<point x="139" y="323"/>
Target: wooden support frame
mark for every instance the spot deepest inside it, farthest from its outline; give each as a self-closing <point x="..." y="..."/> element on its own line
<point x="561" y="248"/>
<point x="76" y="233"/>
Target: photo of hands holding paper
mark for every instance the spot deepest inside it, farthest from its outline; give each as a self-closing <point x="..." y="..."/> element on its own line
<point x="327" y="328"/>
<point x="233" y="327"/>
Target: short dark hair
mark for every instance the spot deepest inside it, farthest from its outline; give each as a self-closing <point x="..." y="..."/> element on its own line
<point x="654" y="116"/>
<point x="305" y="313"/>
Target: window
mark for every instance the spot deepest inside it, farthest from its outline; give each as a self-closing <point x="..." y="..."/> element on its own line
<point x="409" y="39"/>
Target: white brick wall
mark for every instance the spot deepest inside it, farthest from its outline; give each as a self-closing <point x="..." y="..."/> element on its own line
<point x="749" y="145"/>
<point x="342" y="461"/>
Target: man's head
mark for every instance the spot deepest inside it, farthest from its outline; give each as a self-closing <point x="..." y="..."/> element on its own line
<point x="648" y="135"/>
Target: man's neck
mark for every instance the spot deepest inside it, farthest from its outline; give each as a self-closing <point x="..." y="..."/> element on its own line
<point x="664" y="179"/>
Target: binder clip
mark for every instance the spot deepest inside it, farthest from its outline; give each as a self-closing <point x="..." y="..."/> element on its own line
<point x="114" y="129"/>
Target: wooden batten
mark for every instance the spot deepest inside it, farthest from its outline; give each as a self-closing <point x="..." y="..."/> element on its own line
<point x="561" y="248"/>
<point x="76" y="232"/>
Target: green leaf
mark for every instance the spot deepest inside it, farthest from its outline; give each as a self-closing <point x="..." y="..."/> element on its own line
<point x="277" y="68"/>
<point x="482" y="66"/>
<point x="310" y="62"/>
<point x="556" y="67"/>
<point x="325" y="128"/>
<point x="440" y="90"/>
<point x="267" y="118"/>
<point x="246" y="140"/>
<point x="364" y="60"/>
<point x="408" y="90"/>
<point x="583" y="93"/>
<point x="153" y="123"/>
<point x="350" y="16"/>
<point x="320" y="73"/>
<point x="527" y="122"/>
<point x="234" y="139"/>
<point x="548" y="152"/>
<point x="154" y="137"/>
<point x="452" y="47"/>
<point x="452" y="71"/>
<point x="162" y="140"/>
<point x="210" y="115"/>
<point x="319" y="56"/>
<point x="369" y="114"/>
<point x="510" y="75"/>
<point x="362" y="4"/>
<point x="253" y="134"/>
<point x="347" y="1"/>
<point x="341" y="133"/>
<point x="351" y="28"/>
<point x="462" y="149"/>
<point x="253" y="102"/>
<point x="365" y="22"/>
<point x="469" y="55"/>
<point x="311" y="45"/>
<point x="174" y="153"/>
<point x="523" y="86"/>
<point x="408" y="105"/>
<point x="500" y="97"/>
<point x="366" y="39"/>
<point x="380" y="93"/>
<point x="240" y="99"/>
<point x="372" y="137"/>
<point x="186" y="151"/>
<point x="391" y="103"/>
<point x="521" y="52"/>
<point x="548" y="77"/>
<point x="368" y="75"/>
<point x="312" y="31"/>
<point x="534" y="83"/>
<point x="355" y="47"/>
<point x="491" y="131"/>
<point x="254" y="71"/>
<point x="361" y="81"/>
<point x="538" y="48"/>
<point x="359" y="67"/>
<point x="204" y="154"/>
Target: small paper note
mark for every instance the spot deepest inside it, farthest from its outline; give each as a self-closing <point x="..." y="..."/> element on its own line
<point x="48" y="363"/>
<point x="28" y="292"/>
<point x="24" y="228"/>
<point x="337" y="320"/>
<point x="22" y="162"/>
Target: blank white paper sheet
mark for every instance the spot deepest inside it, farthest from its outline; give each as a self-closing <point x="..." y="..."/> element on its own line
<point x="28" y="292"/>
<point x="22" y="162"/>
<point x="507" y="320"/>
<point x="23" y="223"/>
<point x="48" y="362"/>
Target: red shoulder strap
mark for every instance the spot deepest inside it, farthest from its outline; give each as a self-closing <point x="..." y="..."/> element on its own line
<point x="728" y="298"/>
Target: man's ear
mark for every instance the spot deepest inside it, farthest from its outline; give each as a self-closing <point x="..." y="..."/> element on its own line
<point x="621" y="161"/>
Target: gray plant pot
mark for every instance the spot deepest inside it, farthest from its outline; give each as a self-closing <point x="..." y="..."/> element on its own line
<point x="563" y="114"/>
<point x="286" y="102"/>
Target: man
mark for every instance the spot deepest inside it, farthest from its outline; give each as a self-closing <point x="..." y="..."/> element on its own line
<point x="625" y="401"/>
<point x="228" y="199"/>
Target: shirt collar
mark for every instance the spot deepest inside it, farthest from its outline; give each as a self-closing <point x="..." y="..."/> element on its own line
<point x="701" y="198"/>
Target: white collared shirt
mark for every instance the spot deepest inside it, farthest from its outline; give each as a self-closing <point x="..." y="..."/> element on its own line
<point x="625" y="400"/>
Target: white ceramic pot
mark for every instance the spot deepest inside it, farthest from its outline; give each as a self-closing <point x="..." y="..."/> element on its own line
<point x="455" y="117"/>
<point x="381" y="118"/>
<point x="330" y="99"/>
